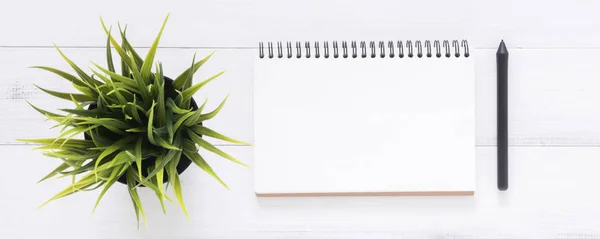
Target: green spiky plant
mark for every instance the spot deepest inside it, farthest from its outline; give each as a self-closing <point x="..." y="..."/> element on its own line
<point x="139" y="127"/>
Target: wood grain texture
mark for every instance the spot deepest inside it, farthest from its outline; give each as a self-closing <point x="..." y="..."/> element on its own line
<point x="241" y="23"/>
<point x="553" y="194"/>
<point x="554" y="48"/>
<point x="19" y="120"/>
<point x="72" y="23"/>
<point x="552" y="97"/>
<point x="553" y="93"/>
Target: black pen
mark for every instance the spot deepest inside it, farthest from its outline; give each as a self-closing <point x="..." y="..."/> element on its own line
<point x="502" y="78"/>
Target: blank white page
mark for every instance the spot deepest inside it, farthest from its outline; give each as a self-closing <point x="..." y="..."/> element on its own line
<point x="371" y="126"/>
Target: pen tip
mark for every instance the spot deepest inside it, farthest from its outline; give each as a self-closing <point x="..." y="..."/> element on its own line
<point x="502" y="48"/>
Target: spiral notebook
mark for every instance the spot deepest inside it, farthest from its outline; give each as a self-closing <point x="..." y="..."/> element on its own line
<point x="343" y="118"/>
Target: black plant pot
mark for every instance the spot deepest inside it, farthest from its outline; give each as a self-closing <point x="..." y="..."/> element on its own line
<point x="184" y="161"/>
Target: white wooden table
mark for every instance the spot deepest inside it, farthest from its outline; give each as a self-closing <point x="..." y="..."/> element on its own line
<point x="554" y="117"/>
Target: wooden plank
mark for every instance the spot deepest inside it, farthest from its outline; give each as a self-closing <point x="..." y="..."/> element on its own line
<point x="553" y="194"/>
<point x="115" y="214"/>
<point x="205" y="23"/>
<point x="535" y="24"/>
<point x="19" y="120"/>
<point x="522" y="24"/>
<point x="240" y="23"/>
<point x="553" y="97"/>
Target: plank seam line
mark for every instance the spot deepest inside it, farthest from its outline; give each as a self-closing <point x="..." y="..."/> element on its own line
<point x="140" y="47"/>
<point x="256" y="47"/>
<point x="26" y="144"/>
<point x="476" y="146"/>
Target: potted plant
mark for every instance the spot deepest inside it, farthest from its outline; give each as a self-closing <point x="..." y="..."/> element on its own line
<point x="136" y="126"/>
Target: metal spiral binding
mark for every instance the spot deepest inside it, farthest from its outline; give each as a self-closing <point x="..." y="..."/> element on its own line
<point x="391" y="46"/>
<point x="440" y="49"/>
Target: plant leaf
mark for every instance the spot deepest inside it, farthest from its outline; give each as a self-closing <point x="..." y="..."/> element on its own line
<point x="190" y="77"/>
<point x="188" y="93"/>
<point x="194" y="118"/>
<point x="85" y="90"/>
<point x="137" y="212"/>
<point x="164" y="143"/>
<point x="87" y="113"/>
<point x="198" y="160"/>
<point x="125" y="61"/>
<point x="206" y="145"/>
<point x="58" y="169"/>
<point x="174" y="180"/>
<point x="171" y="104"/>
<point x="159" y="182"/>
<point x="73" y="155"/>
<point x="74" y="131"/>
<point x="99" y="140"/>
<point x="181" y="120"/>
<point x="119" y="144"/>
<point x="173" y="153"/>
<point x="85" y="182"/>
<point x="44" y="112"/>
<point x="66" y="96"/>
<point x="137" y="203"/>
<point x="129" y="83"/>
<point x="138" y="156"/>
<point x="188" y="82"/>
<point x="128" y="48"/>
<point x="168" y="157"/>
<point x="150" y="126"/>
<point x="87" y="167"/>
<point x="189" y="146"/>
<point x="104" y="79"/>
<point x="111" y="124"/>
<point x="100" y="184"/>
<point x="109" y="60"/>
<point x="134" y="110"/>
<point x="160" y="82"/>
<point x="162" y="131"/>
<point x="136" y="130"/>
<point x="145" y="71"/>
<point x="169" y="123"/>
<point x="63" y="74"/>
<point x="84" y="77"/>
<point x="141" y="83"/>
<point x="148" y="183"/>
<point x="179" y="82"/>
<point x="112" y="178"/>
<point x="202" y="130"/>
<point x="73" y="143"/>
<point x="209" y="115"/>
<point x="117" y="92"/>
<point x="123" y="157"/>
